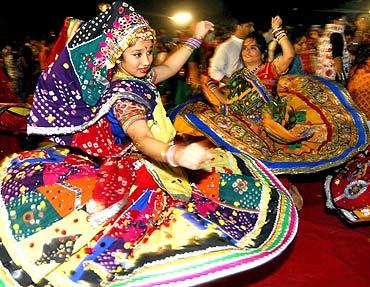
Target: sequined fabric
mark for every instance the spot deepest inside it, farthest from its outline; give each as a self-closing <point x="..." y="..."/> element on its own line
<point x="302" y="103"/>
<point x="347" y="189"/>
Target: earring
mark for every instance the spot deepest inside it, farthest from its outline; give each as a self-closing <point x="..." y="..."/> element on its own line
<point x="118" y="62"/>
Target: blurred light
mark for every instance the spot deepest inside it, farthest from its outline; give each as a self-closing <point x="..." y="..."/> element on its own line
<point x="103" y="7"/>
<point x="181" y="18"/>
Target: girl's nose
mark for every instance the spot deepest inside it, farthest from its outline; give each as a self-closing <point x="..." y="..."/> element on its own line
<point x="145" y="60"/>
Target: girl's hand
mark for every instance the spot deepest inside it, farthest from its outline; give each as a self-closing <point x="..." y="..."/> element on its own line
<point x="203" y="27"/>
<point x="193" y="156"/>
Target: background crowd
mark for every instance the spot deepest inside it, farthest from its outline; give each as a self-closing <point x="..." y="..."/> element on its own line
<point x="21" y="63"/>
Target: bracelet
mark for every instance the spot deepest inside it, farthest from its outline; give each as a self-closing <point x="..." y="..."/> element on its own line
<point x="197" y="36"/>
<point x="170" y="156"/>
<point x="163" y="155"/>
<point x="187" y="47"/>
<point x="281" y="38"/>
<point x="340" y="76"/>
<point x="277" y="29"/>
<point x="279" y="34"/>
<point x="211" y="83"/>
<point x="192" y="43"/>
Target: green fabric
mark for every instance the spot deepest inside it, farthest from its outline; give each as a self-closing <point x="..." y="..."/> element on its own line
<point x="91" y="88"/>
<point x="242" y="189"/>
<point x="37" y="207"/>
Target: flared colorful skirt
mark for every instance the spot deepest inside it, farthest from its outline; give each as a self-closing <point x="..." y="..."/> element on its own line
<point x="238" y="217"/>
<point x="338" y="127"/>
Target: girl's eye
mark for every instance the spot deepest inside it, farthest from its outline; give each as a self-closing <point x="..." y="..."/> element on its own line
<point x="137" y="55"/>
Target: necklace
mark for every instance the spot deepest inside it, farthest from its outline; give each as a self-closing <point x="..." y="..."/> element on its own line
<point x="252" y="72"/>
<point x="121" y="74"/>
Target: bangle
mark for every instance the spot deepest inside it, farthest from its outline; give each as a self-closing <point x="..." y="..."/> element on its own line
<point x="192" y="43"/>
<point x="211" y="83"/>
<point x="281" y="38"/>
<point x="197" y="36"/>
<point x="279" y="34"/>
<point x="163" y="155"/>
<point x="188" y="48"/>
<point x="276" y="29"/>
<point x="170" y="156"/>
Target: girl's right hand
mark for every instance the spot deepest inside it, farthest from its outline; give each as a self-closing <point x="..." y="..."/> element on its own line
<point x="193" y="156"/>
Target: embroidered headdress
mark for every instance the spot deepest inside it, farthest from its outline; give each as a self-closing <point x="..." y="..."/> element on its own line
<point x="70" y="93"/>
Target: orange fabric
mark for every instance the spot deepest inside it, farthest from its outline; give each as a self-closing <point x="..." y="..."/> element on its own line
<point x="359" y="87"/>
<point x="182" y="126"/>
<point x="209" y="185"/>
<point x="63" y="198"/>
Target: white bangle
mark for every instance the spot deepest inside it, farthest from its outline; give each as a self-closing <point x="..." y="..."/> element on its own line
<point x="170" y="156"/>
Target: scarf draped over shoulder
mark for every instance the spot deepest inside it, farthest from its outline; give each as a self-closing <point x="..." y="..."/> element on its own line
<point x="70" y="94"/>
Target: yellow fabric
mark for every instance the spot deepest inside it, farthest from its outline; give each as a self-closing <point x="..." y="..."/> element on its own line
<point x="68" y="267"/>
<point x="6" y="278"/>
<point x="23" y="111"/>
<point x="161" y="126"/>
<point x="210" y="96"/>
<point x="173" y="180"/>
<point x="222" y="158"/>
<point x="73" y="26"/>
<point x="29" y="250"/>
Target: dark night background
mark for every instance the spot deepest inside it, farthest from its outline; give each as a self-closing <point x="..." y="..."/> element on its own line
<point x="37" y="18"/>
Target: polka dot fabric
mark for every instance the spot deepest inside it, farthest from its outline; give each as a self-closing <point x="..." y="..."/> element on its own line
<point x="77" y="80"/>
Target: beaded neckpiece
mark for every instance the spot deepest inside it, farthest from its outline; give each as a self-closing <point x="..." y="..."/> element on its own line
<point x="121" y="74"/>
<point x="252" y="72"/>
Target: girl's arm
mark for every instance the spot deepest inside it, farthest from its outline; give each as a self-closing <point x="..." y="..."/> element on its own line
<point x="192" y="156"/>
<point x="177" y="59"/>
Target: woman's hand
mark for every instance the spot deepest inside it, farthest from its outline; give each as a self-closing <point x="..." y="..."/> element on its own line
<point x="202" y="28"/>
<point x="193" y="156"/>
<point x="276" y="22"/>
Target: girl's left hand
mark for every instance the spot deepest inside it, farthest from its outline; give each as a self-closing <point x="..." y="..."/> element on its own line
<point x="203" y="27"/>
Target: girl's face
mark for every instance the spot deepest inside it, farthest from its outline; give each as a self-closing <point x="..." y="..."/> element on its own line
<point x="250" y="51"/>
<point x="136" y="59"/>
